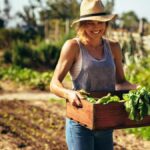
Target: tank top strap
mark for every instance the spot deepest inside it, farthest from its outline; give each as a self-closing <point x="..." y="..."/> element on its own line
<point x="108" y="48"/>
<point x="83" y="53"/>
<point x="79" y="43"/>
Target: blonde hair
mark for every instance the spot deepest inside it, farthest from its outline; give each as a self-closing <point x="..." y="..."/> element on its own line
<point x="81" y="31"/>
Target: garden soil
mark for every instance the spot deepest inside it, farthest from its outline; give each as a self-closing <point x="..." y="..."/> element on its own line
<point x="40" y="125"/>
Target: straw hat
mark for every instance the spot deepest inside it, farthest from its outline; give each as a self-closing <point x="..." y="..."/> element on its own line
<point x="93" y="10"/>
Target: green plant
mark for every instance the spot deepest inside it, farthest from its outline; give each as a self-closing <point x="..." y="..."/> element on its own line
<point x="47" y="54"/>
<point x="8" y="36"/>
<point x="26" y="76"/>
<point x="21" y="54"/>
<point x="104" y="100"/>
<point x="137" y="103"/>
<point x="139" y="72"/>
<point x="7" y="57"/>
<point x="143" y="132"/>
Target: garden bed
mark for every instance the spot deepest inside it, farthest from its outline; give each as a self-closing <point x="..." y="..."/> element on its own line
<point x="30" y="125"/>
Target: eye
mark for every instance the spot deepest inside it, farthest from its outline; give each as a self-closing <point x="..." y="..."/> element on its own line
<point x="101" y="23"/>
<point x="90" y="23"/>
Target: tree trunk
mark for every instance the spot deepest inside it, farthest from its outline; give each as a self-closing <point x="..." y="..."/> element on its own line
<point x="56" y="33"/>
<point x="67" y="26"/>
<point x="46" y="30"/>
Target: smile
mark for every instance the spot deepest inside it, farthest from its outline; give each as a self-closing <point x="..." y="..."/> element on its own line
<point x="96" y="32"/>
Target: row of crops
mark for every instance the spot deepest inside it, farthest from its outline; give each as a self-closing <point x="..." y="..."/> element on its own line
<point x="139" y="72"/>
<point x="26" y="76"/>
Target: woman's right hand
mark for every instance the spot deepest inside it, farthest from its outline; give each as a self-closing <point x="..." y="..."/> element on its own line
<point x="74" y="97"/>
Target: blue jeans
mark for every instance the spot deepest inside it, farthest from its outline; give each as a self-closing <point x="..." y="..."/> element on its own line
<point x="81" y="138"/>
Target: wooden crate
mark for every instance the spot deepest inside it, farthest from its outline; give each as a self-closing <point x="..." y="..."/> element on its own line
<point x="98" y="116"/>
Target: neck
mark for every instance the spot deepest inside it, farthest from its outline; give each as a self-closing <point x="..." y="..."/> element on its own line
<point x="94" y="43"/>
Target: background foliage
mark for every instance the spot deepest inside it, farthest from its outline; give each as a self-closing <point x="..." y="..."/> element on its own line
<point x="29" y="52"/>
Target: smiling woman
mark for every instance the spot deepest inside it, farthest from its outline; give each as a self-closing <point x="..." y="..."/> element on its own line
<point x="95" y="65"/>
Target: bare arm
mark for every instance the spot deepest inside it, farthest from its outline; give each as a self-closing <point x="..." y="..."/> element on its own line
<point x="121" y="82"/>
<point x="67" y="57"/>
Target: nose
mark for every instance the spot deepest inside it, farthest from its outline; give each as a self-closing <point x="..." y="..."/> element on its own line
<point x="97" y="25"/>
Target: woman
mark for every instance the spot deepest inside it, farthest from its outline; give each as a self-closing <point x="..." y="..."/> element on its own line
<point x="95" y="64"/>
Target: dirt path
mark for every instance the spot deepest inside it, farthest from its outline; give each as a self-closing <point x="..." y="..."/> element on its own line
<point x="27" y="96"/>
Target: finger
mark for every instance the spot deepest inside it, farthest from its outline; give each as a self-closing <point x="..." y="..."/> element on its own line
<point x="75" y="103"/>
<point x="81" y="96"/>
<point x="78" y="101"/>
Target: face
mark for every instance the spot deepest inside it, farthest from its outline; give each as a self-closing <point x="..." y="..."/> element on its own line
<point x="95" y="29"/>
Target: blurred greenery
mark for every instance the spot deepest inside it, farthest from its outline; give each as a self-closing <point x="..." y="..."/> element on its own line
<point x="35" y="44"/>
<point x="139" y="72"/>
<point x="142" y="132"/>
<point x="26" y="76"/>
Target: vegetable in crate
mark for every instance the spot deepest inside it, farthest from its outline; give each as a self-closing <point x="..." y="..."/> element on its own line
<point x="84" y="93"/>
<point x="105" y="99"/>
<point x="137" y="103"/>
<point x="108" y="99"/>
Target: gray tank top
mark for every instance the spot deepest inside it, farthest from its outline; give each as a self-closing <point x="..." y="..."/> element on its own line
<point x="96" y="75"/>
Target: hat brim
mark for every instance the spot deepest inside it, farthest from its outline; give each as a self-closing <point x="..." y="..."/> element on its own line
<point x="96" y="18"/>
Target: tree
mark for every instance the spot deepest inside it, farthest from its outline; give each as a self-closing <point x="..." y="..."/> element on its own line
<point x="5" y="13"/>
<point x="28" y="16"/>
<point x="7" y="8"/>
<point x="2" y="23"/>
<point x="109" y="6"/>
<point x="63" y="9"/>
<point x="130" y="21"/>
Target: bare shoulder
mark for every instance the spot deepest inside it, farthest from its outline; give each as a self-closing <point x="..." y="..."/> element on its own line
<point x="71" y="45"/>
<point x="115" y="48"/>
<point x="69" y="51"/>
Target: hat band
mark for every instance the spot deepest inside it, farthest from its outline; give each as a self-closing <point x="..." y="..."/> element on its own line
<point x="96" y="14"/>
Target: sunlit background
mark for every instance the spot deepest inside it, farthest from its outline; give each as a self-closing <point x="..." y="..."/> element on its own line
<point x="32" y="33"/>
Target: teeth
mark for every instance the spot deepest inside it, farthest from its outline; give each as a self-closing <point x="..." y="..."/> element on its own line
<point x="96" y="32"/>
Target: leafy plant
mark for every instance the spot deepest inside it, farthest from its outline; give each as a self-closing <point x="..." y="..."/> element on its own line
<point x="47" y="54"/>
<point x="21" y="54"/>
<point x="8" y="36"/>
<point x="137" y="103"/>
<point x="105" y="99"/>
<point x="143" y="132"/>
<point x="25" y="76"/>
<point x="139" y="72"/>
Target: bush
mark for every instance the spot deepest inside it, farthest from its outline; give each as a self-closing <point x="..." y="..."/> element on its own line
<point x="7" y="57"/>
<point x="45" y="55"/>
<point x="139" y="72"/>
<point x="22" y="54"/>
<point x="48" y="54"/>
<point x="26" y="76"/>
<point x="33" y="55"/>
<point x="7" y="36"/>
